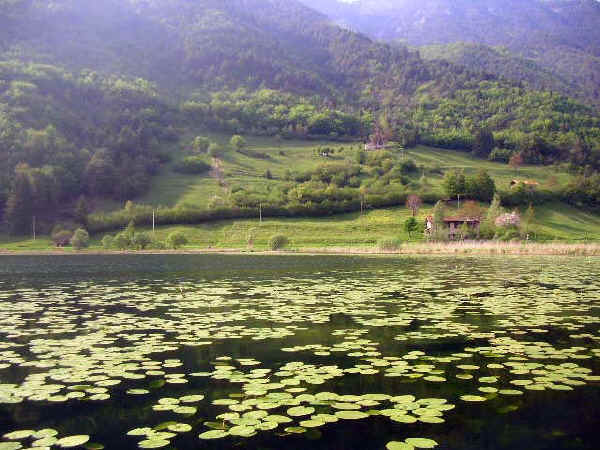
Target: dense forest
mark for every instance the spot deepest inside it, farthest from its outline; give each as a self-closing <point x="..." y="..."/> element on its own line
<point x="510" y="38"/>
<point x="91" y="102"/>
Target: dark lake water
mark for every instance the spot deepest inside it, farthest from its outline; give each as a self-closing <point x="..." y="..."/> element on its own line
<point x="297" y="352"/>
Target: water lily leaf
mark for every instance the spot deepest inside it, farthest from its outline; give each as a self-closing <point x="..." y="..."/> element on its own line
<point x="73" y="441"/>
<point x="421" y="443"/>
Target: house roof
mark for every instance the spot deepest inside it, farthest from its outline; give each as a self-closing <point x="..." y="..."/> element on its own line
<point x="462" y="219"/>
<point x="526" y="182"/>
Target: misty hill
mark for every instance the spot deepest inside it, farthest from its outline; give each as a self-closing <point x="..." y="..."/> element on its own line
<point x="561" y="36"/>
<point x="207" y="43"/>
<point x="95" y="97"/>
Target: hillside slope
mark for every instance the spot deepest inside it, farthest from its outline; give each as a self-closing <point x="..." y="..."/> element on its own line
<point x="94" y="98"/>
<point x="562" y="36"/>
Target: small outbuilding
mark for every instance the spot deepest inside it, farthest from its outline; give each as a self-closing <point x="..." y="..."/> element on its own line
<point x="527" y="183"/>
<point x="454" y="225"/>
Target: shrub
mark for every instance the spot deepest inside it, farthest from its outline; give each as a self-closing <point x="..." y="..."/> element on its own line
<point x="176" y="240"/>
<point x="389" y="245"/>
<point x="158" y="245"/>
<point x="408" y="167"/>
<point x="215" y="150"/>
<point x="410" y="226"/>
<point x="200" y="144"/>
<point x="141" y="241"/>
<point x="237" y="142"/>
<point x="122" y="241"/>
<point x="62" y="238"/>
<point x="192" y="165"/>
<point x="278" y="242"/>
<point x="80" y="239"/>
<point x="108" y="242"/>
<point x="268" y="175"/>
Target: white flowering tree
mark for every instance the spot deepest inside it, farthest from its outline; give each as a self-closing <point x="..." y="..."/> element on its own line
<point x="509" y="220"/>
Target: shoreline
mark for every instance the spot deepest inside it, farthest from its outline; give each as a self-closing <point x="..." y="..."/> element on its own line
<point x="422" y="249"/>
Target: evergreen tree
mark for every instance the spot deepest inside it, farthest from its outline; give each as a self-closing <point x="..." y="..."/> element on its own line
<point x="483" y="143"/>
<point x="201" y="144"/>
<point x="82" y="210"/>
<point x="19" y="207"/>
<point x="439" y="229"/>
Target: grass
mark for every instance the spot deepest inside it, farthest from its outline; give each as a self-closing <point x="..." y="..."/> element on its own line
<point x="171" y="189"/>
<point x="548" y="177"/>
<point x="352" y="232"/>
<point x="349" y="231"/>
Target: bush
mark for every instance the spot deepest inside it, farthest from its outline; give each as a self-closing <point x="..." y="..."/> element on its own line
<point x="192" y="165"/>
<point x="141" y="241"/>
<point x="278" y="242"/>
<point x="62" y="238"/>
<point x="389" y="245"/>
<point x="176" y="240"/>
<point x="122" y="241"/>
<point x="80" y="239"/>
<point x="408" y="167"/>
<point x="108" y="242"/>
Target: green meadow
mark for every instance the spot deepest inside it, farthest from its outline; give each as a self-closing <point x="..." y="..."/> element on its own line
<point x="552" y="221"/>
<point x="171" y="189"/>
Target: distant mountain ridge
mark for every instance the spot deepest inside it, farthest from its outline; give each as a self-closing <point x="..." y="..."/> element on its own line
<point x="561" y="36"/>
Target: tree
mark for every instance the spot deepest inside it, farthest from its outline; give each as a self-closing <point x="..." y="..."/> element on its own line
<point x="414" y="203"/>
<point x="176" y="239"/>
<point x="100" y="174"/>
<point x="483" y="143"/>
<point x="454" y="183"/>
<point x="215" y="150"/>
<point x="238" y="142"/>
<point x="108" y="242"/>
<point x="141" y="241"/>
<point x="19" y="207"/>
<point x="516" y="161"/>
<point x="80" y="239"/>
<point x="480" y="187"/>
<point x="122" y="241"/>
<point x="495" y="209"/>
<point x="410" y="226"/>
<point x="82" y="211"/>
<point x="438" y="233"/>
<point x="200" y="144"/>
<point x="528" y="219"/>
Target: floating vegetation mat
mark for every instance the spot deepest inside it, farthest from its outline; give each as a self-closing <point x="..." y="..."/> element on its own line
<point x="396" y="354"/>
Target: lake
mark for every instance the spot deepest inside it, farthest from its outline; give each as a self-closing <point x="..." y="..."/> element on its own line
<point x="298" y="352"/>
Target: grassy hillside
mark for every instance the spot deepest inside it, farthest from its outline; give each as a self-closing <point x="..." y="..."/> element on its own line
<point x="173" y="189"/>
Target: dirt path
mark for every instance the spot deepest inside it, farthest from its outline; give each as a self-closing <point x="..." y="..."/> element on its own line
<point x="217" y="172"/>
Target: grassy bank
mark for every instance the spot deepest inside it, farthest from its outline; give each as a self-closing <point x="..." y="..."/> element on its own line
<point x="347" y="232"/>
<point x="473" y="248"/>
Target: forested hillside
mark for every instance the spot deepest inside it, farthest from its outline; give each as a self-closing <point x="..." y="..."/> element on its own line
<point x="560" y="36"/>
<point x="95" y="98"/>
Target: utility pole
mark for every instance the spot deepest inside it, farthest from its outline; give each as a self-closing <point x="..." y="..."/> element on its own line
<point x="153" y="221"/>
<point x="260" y="211"/>
<point x="458" y="201"/>
<point x="33" y="226"/>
